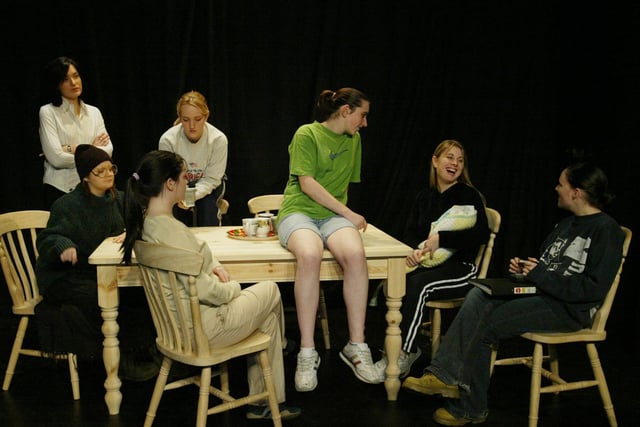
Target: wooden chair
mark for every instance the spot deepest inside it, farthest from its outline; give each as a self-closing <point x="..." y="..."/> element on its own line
<point x="588" y="336"/>
<point x="223" y="208"/>
<point x="270" y="203"/>
<point x="222" y="203"/>
<point x="483" y="259"/>
<point x="18" y="253"/>
<point x="181" y="338"/>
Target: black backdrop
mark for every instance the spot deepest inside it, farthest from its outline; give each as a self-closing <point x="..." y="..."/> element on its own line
<point x="518" y="83"/>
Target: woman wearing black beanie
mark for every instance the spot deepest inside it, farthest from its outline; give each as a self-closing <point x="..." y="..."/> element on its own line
<point x="69" y="318"/>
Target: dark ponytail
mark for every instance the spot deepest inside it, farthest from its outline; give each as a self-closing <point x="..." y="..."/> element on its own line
<point x="155" y="168"/>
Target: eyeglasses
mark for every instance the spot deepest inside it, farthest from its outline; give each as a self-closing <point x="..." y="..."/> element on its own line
<point x="102" y="172"/>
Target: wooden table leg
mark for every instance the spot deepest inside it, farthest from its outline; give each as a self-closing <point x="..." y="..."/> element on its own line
<point x="394" y="292"/>
<point x="108" y="302"/>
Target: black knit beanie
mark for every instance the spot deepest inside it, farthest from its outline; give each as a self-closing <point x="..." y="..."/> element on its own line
<point x="88" y="157"/>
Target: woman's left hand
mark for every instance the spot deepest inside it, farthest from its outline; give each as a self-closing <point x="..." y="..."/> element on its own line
<point x="222" y="274"/>
<point x="120" y="238"/>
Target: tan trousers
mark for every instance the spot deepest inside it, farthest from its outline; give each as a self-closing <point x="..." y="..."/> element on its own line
<point x="257" y="307"/>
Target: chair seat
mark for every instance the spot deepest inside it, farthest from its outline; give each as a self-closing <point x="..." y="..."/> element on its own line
<point x="445" y="303"/>
<point x="583" y="335"/>
<point x="252" y="344"/>
<point x="28" y="308"/>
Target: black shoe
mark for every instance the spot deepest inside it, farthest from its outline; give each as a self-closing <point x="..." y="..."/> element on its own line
<point x="180" y="371"/>
<point x="256" y="412"/>
<point x="290" y="348"/>
<point x="135" y="370"/>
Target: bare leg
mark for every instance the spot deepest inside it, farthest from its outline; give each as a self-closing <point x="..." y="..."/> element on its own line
<point x="347" y="248"/>
<point x="307" y="248"/>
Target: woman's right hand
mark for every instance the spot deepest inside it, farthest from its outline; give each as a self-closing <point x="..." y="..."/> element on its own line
<point x="522" y="266"/>
<point x="222" y="274"/>
<point x="356" y="219"/>
<point x="514" y="265"/>
<point x="415" y="257"/>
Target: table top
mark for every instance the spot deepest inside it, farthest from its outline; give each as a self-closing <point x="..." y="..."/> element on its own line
<point x="377" y="244"/>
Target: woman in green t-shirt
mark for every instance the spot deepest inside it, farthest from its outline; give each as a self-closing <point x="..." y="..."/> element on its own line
<point x="324" y="158"/>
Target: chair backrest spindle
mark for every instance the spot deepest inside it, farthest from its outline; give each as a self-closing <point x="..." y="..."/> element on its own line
<point x="174" y="303"/>
<point x="483" y="259"/>
<point x="601" y="316"/>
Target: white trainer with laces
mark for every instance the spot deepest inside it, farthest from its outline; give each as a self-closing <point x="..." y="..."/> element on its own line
<point x="358" y="358"/>
<point x="405" y="361"/>
<point x="306" y="377"/>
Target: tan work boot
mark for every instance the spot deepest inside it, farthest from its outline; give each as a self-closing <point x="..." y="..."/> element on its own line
<point x="446" y="418"/>
<point x="430" y="384"/>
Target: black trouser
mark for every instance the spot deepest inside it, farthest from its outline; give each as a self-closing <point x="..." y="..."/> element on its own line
<point x="449" y="280"/>
<point x="69" y="320"/>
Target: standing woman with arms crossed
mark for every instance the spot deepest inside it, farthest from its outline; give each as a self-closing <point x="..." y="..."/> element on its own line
<point x="65" y="123"/>
<point x="325" y="157"/>
<point x="204" y="148"/>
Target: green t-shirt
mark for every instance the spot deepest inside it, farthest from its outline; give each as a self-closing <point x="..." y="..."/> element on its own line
<point x="333" y="160"/>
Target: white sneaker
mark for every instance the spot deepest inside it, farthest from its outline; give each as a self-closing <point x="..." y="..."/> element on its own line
<point x="306" y="377"/>
<point x="405" y="361"/>
<point x="358" y="358"/>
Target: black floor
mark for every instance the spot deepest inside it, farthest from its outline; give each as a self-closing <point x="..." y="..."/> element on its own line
<point x="40" y="394"/>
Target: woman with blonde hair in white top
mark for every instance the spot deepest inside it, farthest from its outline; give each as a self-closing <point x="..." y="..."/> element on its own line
<point x="204" y="147"/>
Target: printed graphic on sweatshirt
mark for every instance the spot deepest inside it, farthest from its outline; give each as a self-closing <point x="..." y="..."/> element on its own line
<point x="194" y="172"/>
<point x="577" y="253"/>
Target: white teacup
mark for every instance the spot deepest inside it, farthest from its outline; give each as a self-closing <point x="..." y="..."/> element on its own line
<point x="190" y="197"/>
<point x="250" y="226"/>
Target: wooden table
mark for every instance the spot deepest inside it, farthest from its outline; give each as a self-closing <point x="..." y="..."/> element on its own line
<point x="250" y="262"/>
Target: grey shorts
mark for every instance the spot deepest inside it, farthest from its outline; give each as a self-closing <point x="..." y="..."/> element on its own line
<point x="322" y="227"/>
